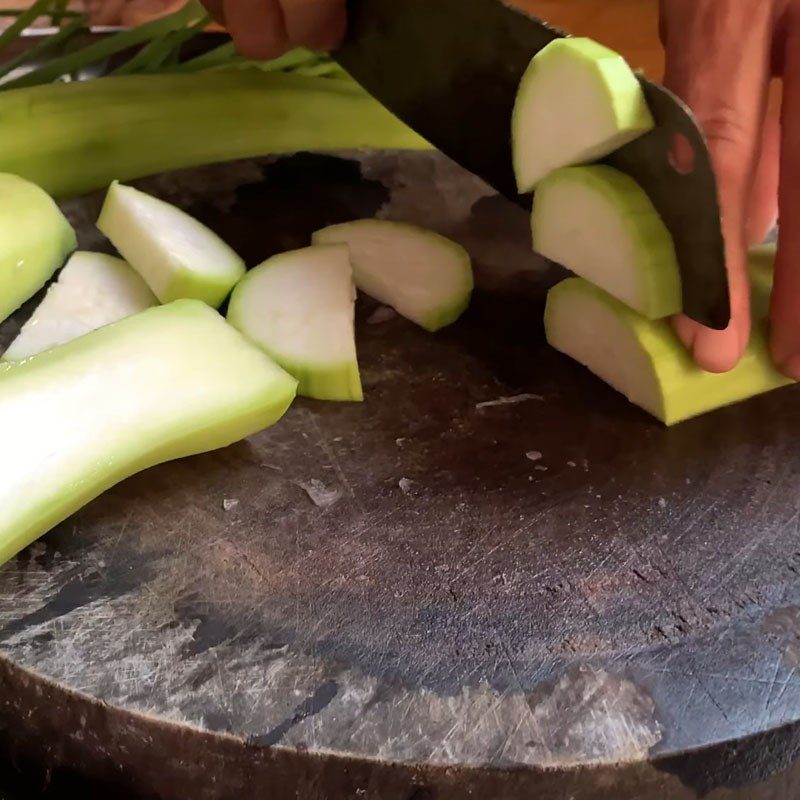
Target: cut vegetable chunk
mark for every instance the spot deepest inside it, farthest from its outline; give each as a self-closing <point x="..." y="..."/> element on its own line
<point x="599" y="223"/>
<point x="92" y="291"/>
<point x="578" y="101"/>
<point x="422" y="275"/>
<point x="35" y="238"/>
<point x="167" y="383"/>
<point x="644" y="360"/>
<point x="177" y="256"/>
<point x="299" y="307"/>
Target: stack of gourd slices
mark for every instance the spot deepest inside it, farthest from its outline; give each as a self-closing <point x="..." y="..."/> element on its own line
<point x="577" y="103"/>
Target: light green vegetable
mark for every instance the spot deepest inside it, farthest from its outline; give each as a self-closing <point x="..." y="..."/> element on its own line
<point x="177" y="256"/>
<point x="54" y="135"/>
<point x="599" y="223"/>
<point x="35" y="238"/>
<point x="167" y="383"/>
<point x="92" y="291"/>
<point x="577" y="102"/>
<point x="644" y="360"/>
<point x="422" y="275"/>
<point x="299" y="308"/>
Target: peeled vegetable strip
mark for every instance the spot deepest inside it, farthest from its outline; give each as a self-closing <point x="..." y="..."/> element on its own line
<point x="167" y="383"/>
<point x="599" y="223"/>
<point x="92" y="291"/>
<point x="299" y="307"/>
<point x="422" y="275"/>
<point x="177" y="256"/>
<point x="35" y="238"/>
<point x="577" y="102"/>
<point x="644" y="360"/>
<point x="54" y="135"/>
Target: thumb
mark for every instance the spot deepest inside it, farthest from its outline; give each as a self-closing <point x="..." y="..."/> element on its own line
<point x="725" y="86"/>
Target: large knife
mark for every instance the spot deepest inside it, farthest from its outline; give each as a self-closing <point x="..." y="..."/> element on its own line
<point x="450" y="70"/>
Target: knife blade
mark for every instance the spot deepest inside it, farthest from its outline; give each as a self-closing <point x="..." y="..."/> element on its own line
<point x="450" y="70"/>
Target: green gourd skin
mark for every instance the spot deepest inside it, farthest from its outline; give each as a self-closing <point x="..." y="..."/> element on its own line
<point x="170" y="382"/>
<point x="155" y="123"/>
<point x="178" y="257"/>
<point x="35" y="240"/>
<point x="92" y="291"/>
<point x="599" y="223"/>
<point x="577" y="102"/>
<point x="424" y="276"/>
<point x="644" y="359"/>
<point x="299" y="307"/>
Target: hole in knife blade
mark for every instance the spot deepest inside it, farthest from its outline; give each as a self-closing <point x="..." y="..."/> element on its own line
<point x="681" y="155"/>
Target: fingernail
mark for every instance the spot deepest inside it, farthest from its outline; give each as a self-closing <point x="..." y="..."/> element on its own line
<point x="717" y="351"/>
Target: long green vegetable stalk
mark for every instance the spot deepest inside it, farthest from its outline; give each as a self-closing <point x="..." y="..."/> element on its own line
<point x="107" y="47"/>
<point x="77" y="137"/>
<point x="24" y="18"/>
<point x="44" y="46"/>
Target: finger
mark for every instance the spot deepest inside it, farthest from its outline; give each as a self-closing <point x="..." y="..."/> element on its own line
<point x="720" y="351"/>
<point x="786" y="293"/>
<point x="137" y="12"/>
<point x="257" y="27"/>
<point x="315" y="24"/>
<point x="762" y="206"/>
<point x="105" y="12"/>
<point x="725" y="87"/>
<point x="216" y="10"/>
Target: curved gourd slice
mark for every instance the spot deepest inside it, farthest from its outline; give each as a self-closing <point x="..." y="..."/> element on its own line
<point x="599" y="223"/>
<point x="299" y="308"/>
<point x="424" y="276"/>
<point x="92" y="291"/>
<point x="644" y="360"/>
<point x="35" y="238"/>
<point x="577" y="102"/>
<point x="177" y="256"/>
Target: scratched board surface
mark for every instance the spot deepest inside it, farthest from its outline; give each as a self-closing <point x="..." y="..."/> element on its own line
<point x="493" y="563"/>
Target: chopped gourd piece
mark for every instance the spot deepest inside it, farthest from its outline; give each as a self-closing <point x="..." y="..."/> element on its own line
<point x="599" y="223"/>
<point x="169" y="382"/>
<point x="179" y="257"/>
<point x="645" y="360"/>
<point x="35" y="238"/>
<point x="577" y="102"/>
<point x="299" y="307"/>
<point x="424" y="276"/>
<point x="92" y="291"/>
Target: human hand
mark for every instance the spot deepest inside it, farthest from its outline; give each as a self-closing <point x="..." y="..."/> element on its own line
<point x="265" y="29"/>
<point x="129" y="12"/>
<point x="721" y="56"/>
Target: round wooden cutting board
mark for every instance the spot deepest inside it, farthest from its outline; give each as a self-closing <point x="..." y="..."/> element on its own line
<point x="492" y="579"/>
